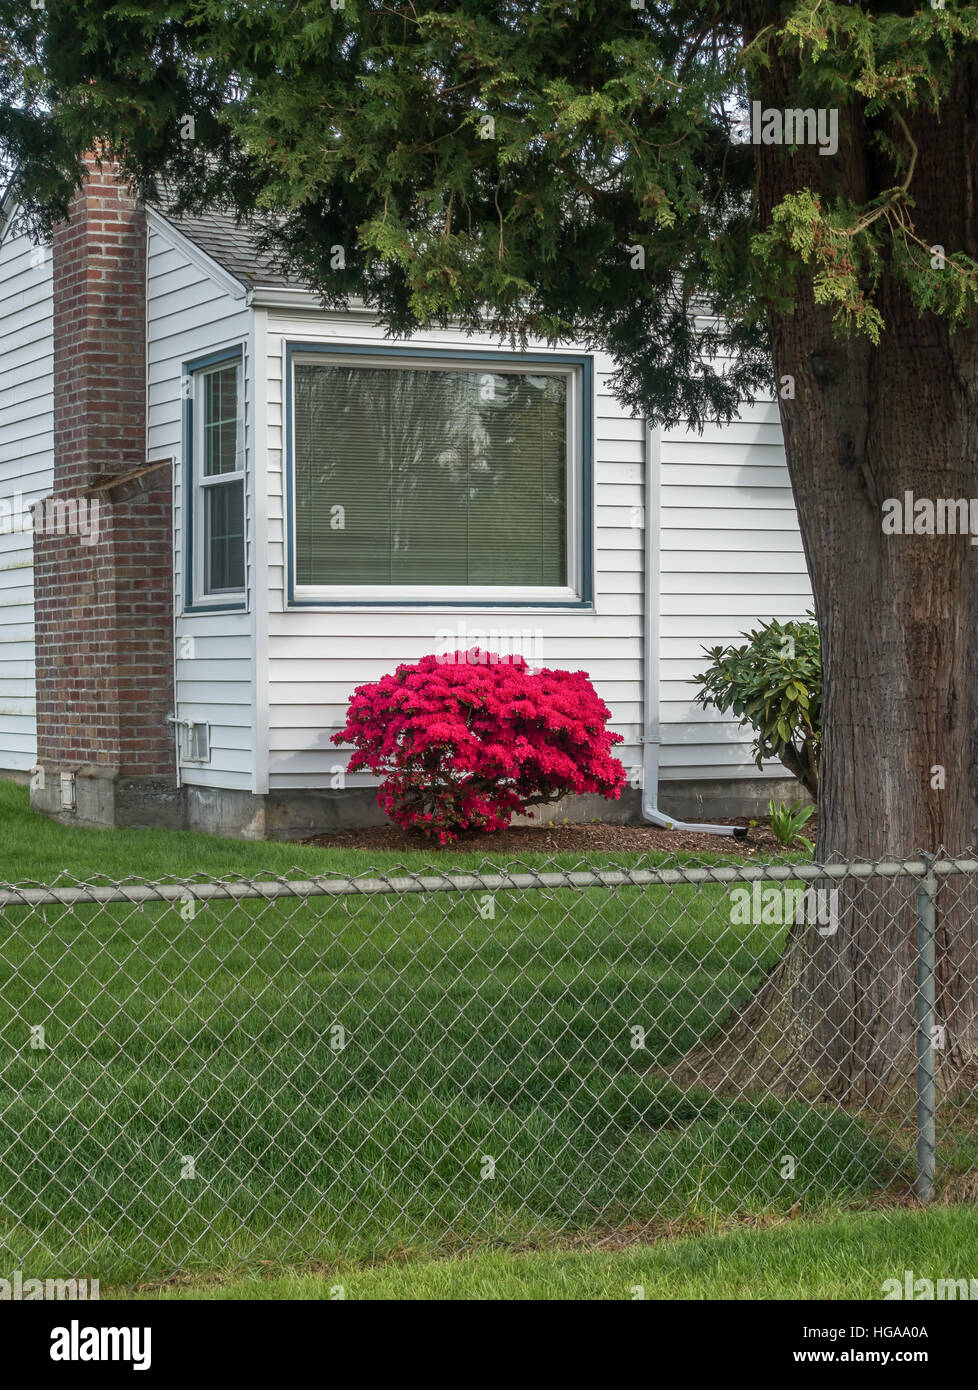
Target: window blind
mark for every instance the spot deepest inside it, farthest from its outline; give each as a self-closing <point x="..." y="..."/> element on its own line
<point x="424" y="476"/>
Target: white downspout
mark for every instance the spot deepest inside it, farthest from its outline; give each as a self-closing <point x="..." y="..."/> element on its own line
<point x="650" y="666"/>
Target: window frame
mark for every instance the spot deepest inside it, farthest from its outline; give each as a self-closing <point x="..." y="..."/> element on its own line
<point x="577" y="371"/>
<point x="197" y="598"/>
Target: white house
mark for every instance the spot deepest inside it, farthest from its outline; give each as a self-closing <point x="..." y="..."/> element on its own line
<point x="281" y="503"/>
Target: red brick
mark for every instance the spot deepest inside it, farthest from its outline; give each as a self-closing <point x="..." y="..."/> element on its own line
<point x="104" y="613"/>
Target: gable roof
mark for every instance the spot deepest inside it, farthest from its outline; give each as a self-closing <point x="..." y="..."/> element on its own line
<point x="9" y="210"/>
<point x="231" y="244"/>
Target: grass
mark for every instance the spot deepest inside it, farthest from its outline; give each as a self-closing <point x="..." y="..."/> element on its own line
<point x="212" y="1042"/>
<point x="38" y="849"/>
<point x="845" y="1258"/>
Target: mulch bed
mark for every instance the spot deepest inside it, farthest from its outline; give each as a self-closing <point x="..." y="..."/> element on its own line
<point x="568" y="839"/>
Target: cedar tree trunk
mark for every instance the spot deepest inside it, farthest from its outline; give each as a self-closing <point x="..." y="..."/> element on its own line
<point x="898" y="619"/>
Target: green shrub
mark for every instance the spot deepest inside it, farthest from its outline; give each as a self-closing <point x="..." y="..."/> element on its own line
<point x="787" y="821"/>
<point x="774" y="684"/>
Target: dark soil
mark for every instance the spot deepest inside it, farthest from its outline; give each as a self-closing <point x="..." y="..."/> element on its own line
<point x="595" y="838"/>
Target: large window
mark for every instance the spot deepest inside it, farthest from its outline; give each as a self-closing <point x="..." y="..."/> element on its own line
<point x="413" y="478"/>
<point x="218" y="484"/>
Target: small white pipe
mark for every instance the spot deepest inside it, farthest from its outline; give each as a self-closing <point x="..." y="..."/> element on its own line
<point x="650" y="668"/>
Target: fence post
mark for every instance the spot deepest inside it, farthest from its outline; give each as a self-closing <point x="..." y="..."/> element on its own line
<point x="926" y="1037"/>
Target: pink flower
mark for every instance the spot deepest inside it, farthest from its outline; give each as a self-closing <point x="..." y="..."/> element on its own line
<point x="466" y="742"/>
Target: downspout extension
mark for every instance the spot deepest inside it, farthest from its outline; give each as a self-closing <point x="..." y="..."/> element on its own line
<point x="650" y="669"/>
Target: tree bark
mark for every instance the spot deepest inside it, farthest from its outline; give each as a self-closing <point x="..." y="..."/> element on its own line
<point x="898" y="620"/>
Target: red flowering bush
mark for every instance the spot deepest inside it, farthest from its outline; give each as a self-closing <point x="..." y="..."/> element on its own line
<point x="466" y="741"/>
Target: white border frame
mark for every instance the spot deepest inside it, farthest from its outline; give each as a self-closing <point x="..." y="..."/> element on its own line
<point x="202" y="596"/>
<point x="330" y="595"/>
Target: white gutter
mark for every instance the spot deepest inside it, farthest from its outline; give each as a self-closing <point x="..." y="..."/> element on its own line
<point x="650" y="665"/>
<point x="295" y="297"/>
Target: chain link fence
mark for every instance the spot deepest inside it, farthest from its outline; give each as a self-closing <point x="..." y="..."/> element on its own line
<point x="199" y="1075"/>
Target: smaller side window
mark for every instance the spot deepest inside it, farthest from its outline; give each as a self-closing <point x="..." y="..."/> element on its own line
<point x="219" y="498"/>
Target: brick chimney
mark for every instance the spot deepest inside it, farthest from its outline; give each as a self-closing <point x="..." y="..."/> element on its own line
<point x="103" y="541"/>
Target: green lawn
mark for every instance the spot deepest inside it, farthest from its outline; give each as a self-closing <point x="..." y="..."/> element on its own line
<point x="848" y="1257"/>
<point x="35" y="848"/>
<point x="465" y="1039"/>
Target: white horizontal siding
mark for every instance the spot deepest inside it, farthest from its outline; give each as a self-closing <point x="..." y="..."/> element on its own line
<point x="730" y="556"/>
<point x="26" y="468"/>
<point x="316" y="658"/>
<point x="730" y="549"/>
<point x="190" y="314"/>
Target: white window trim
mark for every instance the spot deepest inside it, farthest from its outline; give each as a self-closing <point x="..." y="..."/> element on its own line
<point x="202" y="596"/>
<point x="457" y="594"/>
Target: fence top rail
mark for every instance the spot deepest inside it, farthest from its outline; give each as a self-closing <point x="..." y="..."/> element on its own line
<point x="30" y="895"/>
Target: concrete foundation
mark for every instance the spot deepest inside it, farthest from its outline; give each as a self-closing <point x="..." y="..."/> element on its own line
<point x="9" y="775"/>
<point x="734" y="797"/>
<point x="297" y="815"/>
<point x="102" y="798"/>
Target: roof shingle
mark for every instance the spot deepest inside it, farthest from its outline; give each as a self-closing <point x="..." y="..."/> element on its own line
<point x="231" y="244"/>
